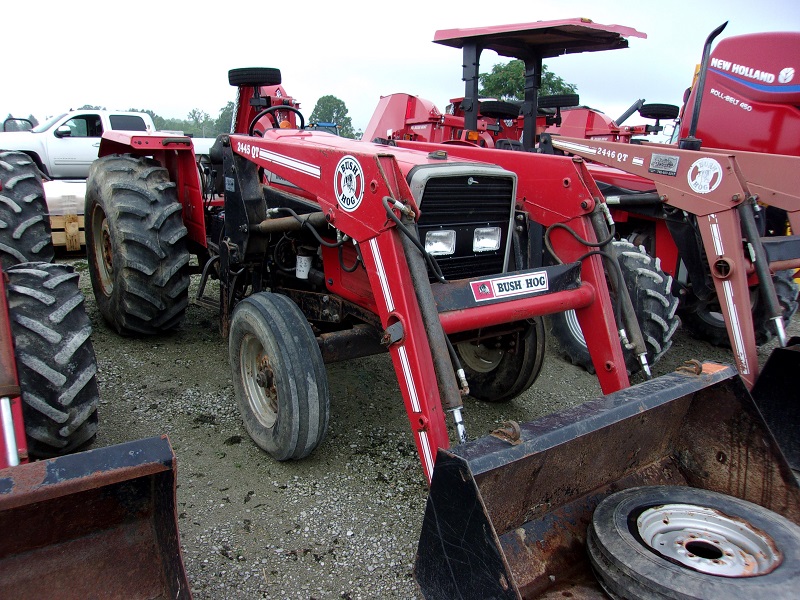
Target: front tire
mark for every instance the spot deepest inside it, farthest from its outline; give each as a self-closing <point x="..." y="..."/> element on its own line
<point x="500" y="372"/>
<point x="705" y="320"/>
<point x="25" y="234"/>
<point x="653" y="303"/>
<point x="279" y="376"/>
<point x="136" y="245"/>
<point x="56" y="362"/>
<point x="661" y="542"/>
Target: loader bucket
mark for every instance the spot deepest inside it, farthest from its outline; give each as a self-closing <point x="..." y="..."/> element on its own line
<point x="508" y="519"/>
<point x="96" y="524"/>
<point x="776" y="395"/>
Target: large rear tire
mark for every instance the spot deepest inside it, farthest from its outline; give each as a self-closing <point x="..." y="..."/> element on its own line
<point x="136" y="245"/>
<point x="653" y="303"/>
<point x="705" y="320"/>
<point x="501" y="371"/>
<point x="665" y="542"/>
<point x="279" y="376"/>
<point x="25" y="234"/>
<point x="56" y="363"/>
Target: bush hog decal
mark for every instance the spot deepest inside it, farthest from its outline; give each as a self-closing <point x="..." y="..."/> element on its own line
<point x="704" y="175"/>
<point x="348" y="183"/>
<point x="503" y="287"/>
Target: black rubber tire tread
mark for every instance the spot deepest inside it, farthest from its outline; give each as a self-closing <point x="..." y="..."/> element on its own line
<point x="702" y="324"/>
<point x="659" y="111"/>
<point x="300" y="378"/>
<point x="55" y="358"/>
<point x="498" y="109"/>
<point x="559" y="101"/>
<point x="516" y="371"/>
<point x="25" y="234"/>
<point x="627" y="568"/>
<point x="254" y="76"/>
<point x="149" y="282"/>
<point x="655" y="305"/>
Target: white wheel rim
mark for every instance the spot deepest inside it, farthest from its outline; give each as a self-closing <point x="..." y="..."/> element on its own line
<point x="261" y="394"/>
<point x="708" y="541"/>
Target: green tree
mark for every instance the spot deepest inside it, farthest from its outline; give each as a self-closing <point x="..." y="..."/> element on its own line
<point x="225" y="119"/>
<point x="507" y="82"/>
<point x="329" y="109"/>
<point x="91" y="107"/>
<point x="201" y="123"/>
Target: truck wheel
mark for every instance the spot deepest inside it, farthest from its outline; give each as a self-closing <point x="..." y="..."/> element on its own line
<point x="24" y="223"/>
<point x="653" y="302"/>
<point x="278" y="376"/>
<point x="254" y="76"/>
<point x="683" y="542"/>
<point x="136" y="245"/>
<point x="499" y="374"/>
<point x="56" y="363"/>
<point x="497" y="109"/>
<point x="705" y="320"/>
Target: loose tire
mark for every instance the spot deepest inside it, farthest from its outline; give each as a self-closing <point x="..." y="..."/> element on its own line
<point x="681" y="542"/>
<point x="254" y="76"/>
<point x="55" y="358"/>
<point x="278" y="376"/>
<point x="705" y="320"/>
<point x="499" y="374"/>
<point x="653" y="303"/>
<point x="25" y="234"/>
<point x="136" y="245"/>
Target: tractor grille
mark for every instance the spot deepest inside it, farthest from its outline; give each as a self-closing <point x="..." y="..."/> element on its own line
<point x="463" y="203"/>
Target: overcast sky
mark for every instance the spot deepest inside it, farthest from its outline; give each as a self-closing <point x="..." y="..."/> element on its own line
<point x="173" y="56"/>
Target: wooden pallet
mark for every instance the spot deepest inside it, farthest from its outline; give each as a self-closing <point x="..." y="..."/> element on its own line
<point x="68" y="231"/>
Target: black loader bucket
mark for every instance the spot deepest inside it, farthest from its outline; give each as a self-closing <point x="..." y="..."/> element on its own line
<point x="96" y="524"/>
<point x="777" y="396"/>
<point x="507" y="518"/>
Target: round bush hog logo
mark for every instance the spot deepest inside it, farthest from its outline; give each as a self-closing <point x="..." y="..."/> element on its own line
<point x="348" y="183"/>
<point x="704" y="175"/>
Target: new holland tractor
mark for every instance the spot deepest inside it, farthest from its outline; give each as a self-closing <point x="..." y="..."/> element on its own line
<point x="326" y="249"/>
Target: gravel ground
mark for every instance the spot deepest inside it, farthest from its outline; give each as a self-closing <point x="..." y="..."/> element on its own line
<point x="342" y="523"/>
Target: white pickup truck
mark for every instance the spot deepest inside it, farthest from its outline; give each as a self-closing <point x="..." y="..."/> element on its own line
<point x="65" y="146"/>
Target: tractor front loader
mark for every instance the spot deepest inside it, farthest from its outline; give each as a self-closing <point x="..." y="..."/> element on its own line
<point x="327" y="249"/>
<point x="75" y="524"/>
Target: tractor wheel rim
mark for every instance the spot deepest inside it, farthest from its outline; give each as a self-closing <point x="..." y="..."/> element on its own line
<point x="574" y="327"/>
<point x="103" y="251"/>
<point x="708" y="541"/>
<point x="259" y="381"/>
<point x="480" y="357"/>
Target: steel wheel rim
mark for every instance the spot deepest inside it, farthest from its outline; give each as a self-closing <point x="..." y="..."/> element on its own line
<point x="103" y="251"/>
<point x="708" y="541"/>
<point x="574" y="327"/>
<point x="258" y="381"/>
<point x="479" y="357"/>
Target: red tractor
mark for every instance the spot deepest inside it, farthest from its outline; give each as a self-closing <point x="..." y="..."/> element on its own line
<point x="326" y="248"/>
<point x="643" y="217"/>
<point x="68" y="517"/>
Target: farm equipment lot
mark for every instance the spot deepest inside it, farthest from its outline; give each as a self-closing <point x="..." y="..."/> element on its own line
<point x="342" y="523"/>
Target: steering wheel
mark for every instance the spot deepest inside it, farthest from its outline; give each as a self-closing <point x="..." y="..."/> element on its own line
<point x="271" y="109"/>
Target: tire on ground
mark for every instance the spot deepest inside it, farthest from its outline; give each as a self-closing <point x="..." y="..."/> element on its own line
<point x="499" y="374"/>
<point x="279" y="376"/>
<point x="705" y="320"/>
<point x="136" y="245"/>
<point x="714" y="546"/>
<point x="24" y="222"/>
<point x="651" y="293"/>
<point x="55" y="358"/>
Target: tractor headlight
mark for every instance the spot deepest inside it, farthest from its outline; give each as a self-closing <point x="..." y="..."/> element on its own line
<point x="440" y="242"/>
<point x="486" y="239"/>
